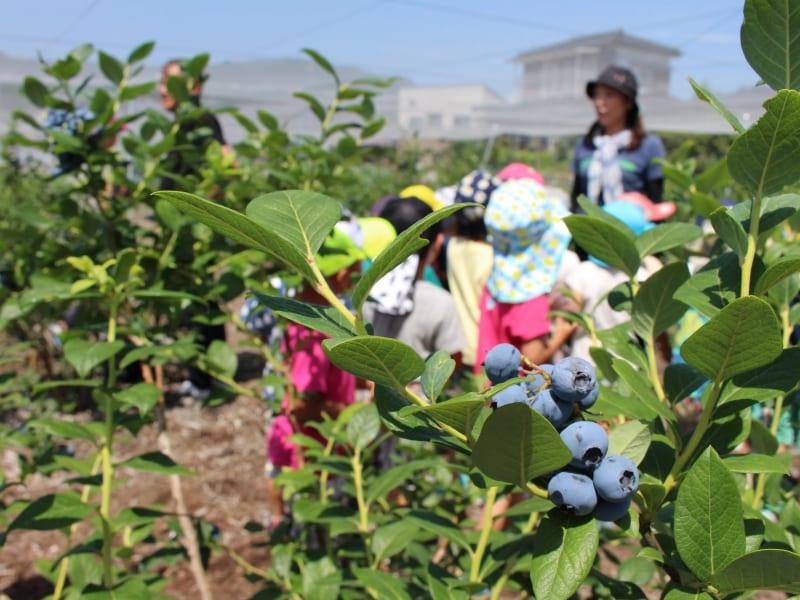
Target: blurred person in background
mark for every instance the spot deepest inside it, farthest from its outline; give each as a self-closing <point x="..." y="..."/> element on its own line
<point x="405" y="306"/>
<point x="197" y="127"/>
<point x="469" y="256"/>
<point x="616" y="155"/>
<point x="529" y="238"/>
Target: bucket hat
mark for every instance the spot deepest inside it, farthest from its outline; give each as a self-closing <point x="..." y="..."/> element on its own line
<point x="529" y="237"/>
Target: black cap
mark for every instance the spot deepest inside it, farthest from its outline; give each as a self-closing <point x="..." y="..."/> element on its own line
<point x="618" y="78"/>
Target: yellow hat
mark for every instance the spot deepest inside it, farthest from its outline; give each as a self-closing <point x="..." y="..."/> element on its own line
<point x="378" y="233"/>
<point x="424" y="193"/>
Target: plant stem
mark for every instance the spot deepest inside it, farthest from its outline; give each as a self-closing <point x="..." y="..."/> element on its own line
<point x="497" y="588"/>
<point x="323" y="478"/>
<point x="705" y="420"/>
<point x="650" y="347"/>
<point x="358" y="483"/>
<point x="414" y="399"/>
<point x="323" y="289"/>
<point x="107" y="465"/>
<point x="61" y="578"/>
<point x="537" y="491"/>
<point x="486" y="530"/>
<point x="761" y="483"/>
<point x="752" y="243"/>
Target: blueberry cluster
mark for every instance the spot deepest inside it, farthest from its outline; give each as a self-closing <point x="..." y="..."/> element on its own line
<point x="593" y="482"/>
<point x="74" y="123"/>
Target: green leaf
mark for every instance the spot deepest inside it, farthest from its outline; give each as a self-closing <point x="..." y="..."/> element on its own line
<point x="324" y="319"/>
<point x="767" y="381"/>
<point x="605" y="242"/>
<point x="759" y="463"/>
<point x="323" y="62"/>
<point x="141" y="52"/>
<point x="241" y="229"/>
<point x="744" y="335"/>
<point x="459" y="413"/>
<point x="144" y="396"/>
<point x="665" y="237"/>
<point x="379" y="359"/>
<point x="654" y="309"/>
<point x="304" y="219"/>
<point x="267" y="119"/>
<point x="159" y="294"/>
<point x="321" y="580"/>
<point x="680" y="380"/>
<point x="709" y="522"/>
<point x="84" y="355"/>
<point x="642" y="388"/>
<point x="129" y="92"/>
<point x="430" y="521"/>
<point x="769" y="42"/>
<point x="156" y="462"/>
<point x="767" y="157"/>
<point x="403" y="246"/>
<point x="394" y="477"/>
<point x="438" y="369"/>
<point x="674" y="593"/>
<point x="391" y="539"/>
<point x="762" y="439"/>
<point x="111" y="67"/>
<point x="706" y="96"/>
<point x="593" y="210"/>
<point x="35" y="90"/>
<point x="774" y="211"/>
<point x="631" y="439"/>
<point x="314" y="104"/>
<point x="713" y="286"/>
<point x="385" y="585"/>
<point x="372" y="128"/>
<point x="518" y="444"/>
<point x="54" y="511"/>
<point x="221" y="358"/>
<point x="418" y="427"/>
<point x="363" y="426"/>
<point x="564" y="551"/>
<point x="730" y="231"/>
<point x="777" y="570"/>
<point x="64" y="429"/>
<point x="776" y="273"/>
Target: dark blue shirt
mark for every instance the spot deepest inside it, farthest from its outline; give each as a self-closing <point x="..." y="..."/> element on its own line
<point x="639" y="169"/>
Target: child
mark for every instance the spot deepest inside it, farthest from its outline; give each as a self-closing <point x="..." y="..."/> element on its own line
<point x="529" y="238"/>
<point x="406" y="307"/>
<point x="315" y="387"/>
<point x="469" y="257"/>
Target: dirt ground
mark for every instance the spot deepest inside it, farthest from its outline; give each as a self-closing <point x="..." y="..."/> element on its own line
<point x="225" y="448"/>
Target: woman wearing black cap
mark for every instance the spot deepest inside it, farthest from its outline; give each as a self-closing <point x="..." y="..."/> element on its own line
<point x="616" y="155"/>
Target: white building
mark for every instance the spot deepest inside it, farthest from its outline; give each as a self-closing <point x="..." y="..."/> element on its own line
<point x="445" y="111"/>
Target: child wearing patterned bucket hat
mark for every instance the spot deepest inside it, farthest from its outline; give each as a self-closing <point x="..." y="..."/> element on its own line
<point x="469" y="256"/>
<point x="529" y="238"/>
<point x="314" y="385"/>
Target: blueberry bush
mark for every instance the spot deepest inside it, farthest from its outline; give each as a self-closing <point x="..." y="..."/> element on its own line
<point x="433" y="488"/>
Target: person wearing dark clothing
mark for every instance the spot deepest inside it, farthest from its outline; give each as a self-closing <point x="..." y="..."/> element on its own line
<point x="196" y="130"/>
<point x="616" y="155"/>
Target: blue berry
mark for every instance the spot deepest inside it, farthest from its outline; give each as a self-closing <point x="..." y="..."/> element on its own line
<point x="590" y="398"/>
<point x="588" y="443"/>
<point x="611" y="511"/>
<point x="573" y="379"/>
<point x="535" y="382"/>
<point x="552" y="409"/>
<point x="573" y="492"/>
<point x="616" y="478"/>
<point x="510" y="395"/>
<point x="502" y="363"/>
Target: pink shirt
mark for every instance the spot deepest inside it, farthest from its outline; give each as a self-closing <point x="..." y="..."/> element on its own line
<point x="310" y="371"/>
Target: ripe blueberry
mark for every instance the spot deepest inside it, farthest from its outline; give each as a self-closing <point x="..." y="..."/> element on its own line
<point x="552" y="409"/>
<point x="590" y="398"/>
<point x="510" y="395"/>
<point x="535" y="382"/>
<point x="573" y="492"/>
<point x="611" y="511"/>
<point x="573" y="379"/>
<point x="588" y="443"/>
<point x="616" y="478"/>
<point x="502" y="363"/>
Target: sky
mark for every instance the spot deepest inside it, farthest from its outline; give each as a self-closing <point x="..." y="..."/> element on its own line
<point x="430" y="42"/>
